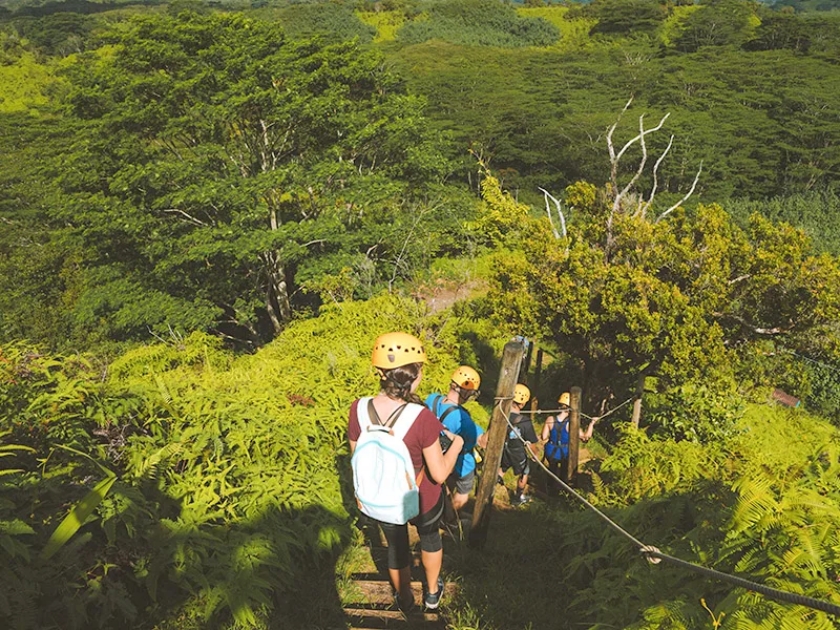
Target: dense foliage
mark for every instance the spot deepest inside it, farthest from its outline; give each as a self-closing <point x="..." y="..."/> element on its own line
<point x="476" y="23"/>
<point x="214" y="168"/>
<point x="738" y="505"/>
<point x="683" y="304"/>
<point x="132" y="201"/>
<point x="225" y="481"/>
<point x="182" y="183"/>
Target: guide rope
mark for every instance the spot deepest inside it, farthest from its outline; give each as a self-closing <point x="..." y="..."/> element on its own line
<point x="540" y="412"/>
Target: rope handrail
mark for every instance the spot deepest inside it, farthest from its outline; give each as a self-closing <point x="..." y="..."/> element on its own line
<point x="654" y="556"/>
<point x="540" y="412"/>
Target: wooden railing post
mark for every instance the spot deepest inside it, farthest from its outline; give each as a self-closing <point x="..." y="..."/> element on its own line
<point x="574" y="434"/>
<point x="496" y="433"/>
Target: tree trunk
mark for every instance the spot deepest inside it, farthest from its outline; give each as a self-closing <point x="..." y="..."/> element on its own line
<point x="637" y="403"/>
<point x="277" y="301"/>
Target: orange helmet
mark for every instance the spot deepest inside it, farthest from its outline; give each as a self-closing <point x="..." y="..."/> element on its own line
<point x="521" y="394"/>
<point x="396" y="349"/>
<point x="466" y="378"/>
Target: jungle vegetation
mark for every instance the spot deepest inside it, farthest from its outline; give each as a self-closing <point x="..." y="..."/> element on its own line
<point x="209" y="211"/>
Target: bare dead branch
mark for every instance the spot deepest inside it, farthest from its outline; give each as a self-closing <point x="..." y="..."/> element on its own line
<point x="187" y="216"/>
<point x="776" y="330"/>
<point x="745" y="276"/>
<point x="644" y="205"/>
<point x="687" y="195"/>
<point x="560" y="214"/>
<point x="640" y="138"/>
<point x="611" y="148"/>
<point x="398" y="262"/>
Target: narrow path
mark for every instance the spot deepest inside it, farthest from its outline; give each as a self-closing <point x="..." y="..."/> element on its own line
<point x="369" y="600"/>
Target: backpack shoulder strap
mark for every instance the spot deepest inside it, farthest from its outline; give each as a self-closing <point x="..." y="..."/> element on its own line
<point x="436" y="402"/>
<point x="363" y="412"/>
<point x="406" y="417"/>
<point x="448" y="411"/>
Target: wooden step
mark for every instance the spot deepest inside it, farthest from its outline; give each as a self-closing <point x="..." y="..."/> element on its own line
<point x="380" y="591"/>
<point x="379" y="619"/>
<point x="377" y="610"/>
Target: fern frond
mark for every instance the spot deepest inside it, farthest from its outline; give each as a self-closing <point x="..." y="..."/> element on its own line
<point x="756" y="502"/>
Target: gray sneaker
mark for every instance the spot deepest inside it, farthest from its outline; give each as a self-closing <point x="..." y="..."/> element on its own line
<point x="432" y="600"/>
<point x="522" y="499"/>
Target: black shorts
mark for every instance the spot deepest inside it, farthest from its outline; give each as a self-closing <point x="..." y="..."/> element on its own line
<point x="514" y="456"/>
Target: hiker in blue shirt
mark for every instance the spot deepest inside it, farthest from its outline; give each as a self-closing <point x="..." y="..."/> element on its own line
<point x="463" y="387"/>
<point x="555" y="434"/>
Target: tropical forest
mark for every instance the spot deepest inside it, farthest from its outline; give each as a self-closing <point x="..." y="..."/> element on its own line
<point x="210" y="209"/>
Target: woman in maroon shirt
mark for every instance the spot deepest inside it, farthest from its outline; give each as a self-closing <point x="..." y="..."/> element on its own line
<point x="399" y="358"/>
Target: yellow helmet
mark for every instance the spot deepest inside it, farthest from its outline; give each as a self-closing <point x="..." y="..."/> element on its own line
<point x="521" y="394"/>
<point x="466" y="378"/>
<point x="395" y="349"/>
<point x="565" y="399"/>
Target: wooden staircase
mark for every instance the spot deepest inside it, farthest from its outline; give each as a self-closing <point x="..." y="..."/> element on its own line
<point x="377" y="610"/>
<point x="369" y="599"/>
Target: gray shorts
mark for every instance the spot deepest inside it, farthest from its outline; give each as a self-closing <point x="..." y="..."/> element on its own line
<point x="462" y="485"/>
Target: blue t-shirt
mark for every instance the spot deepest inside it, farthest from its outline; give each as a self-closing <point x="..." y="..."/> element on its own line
<point x="459" y="422"/>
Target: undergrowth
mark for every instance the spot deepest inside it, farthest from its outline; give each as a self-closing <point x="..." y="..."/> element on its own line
<point x="761" y="505"/>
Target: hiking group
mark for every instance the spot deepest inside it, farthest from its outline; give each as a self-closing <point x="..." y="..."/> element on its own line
<point x="411" y="461"/>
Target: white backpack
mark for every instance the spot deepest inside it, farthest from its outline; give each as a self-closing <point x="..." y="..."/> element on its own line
<point x="383" y="474"/>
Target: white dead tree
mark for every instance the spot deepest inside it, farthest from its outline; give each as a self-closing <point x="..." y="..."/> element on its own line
<point x="623" y="194"/>
<point x="561" y="217"/>
<point x="626" y="199"/>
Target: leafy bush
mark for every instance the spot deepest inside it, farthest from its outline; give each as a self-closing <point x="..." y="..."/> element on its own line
<point x="302" y="21"/>
<point x="622" y="16"/>
<point x="208" y="491"/>
<point x="478" y="23"/>
<point x="814" y="212"/>
<point x="692" y="412"/>
<point x="737" y="504"/>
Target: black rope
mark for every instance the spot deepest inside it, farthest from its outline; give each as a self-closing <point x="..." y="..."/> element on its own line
<point x="773" y="593"/>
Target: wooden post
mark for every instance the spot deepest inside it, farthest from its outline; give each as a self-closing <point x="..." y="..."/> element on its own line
<point x="538" y="369"/>
<point x="526" y="366"/>
<point x="574" y="434"/>
<point x="637" y="403"/>
<point x="496" y="433"/>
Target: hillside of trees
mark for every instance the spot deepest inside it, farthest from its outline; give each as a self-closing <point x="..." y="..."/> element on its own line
<point x="209" y="211"/>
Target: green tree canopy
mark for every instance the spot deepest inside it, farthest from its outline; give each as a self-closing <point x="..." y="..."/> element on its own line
<point x="622" y="16"/>
<point x="324" y="18"/>
<point x="717" y="23"/>
<point x="680" y="299"/>
<point x="219" y="158"/>
<point x="478" y="23"/>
